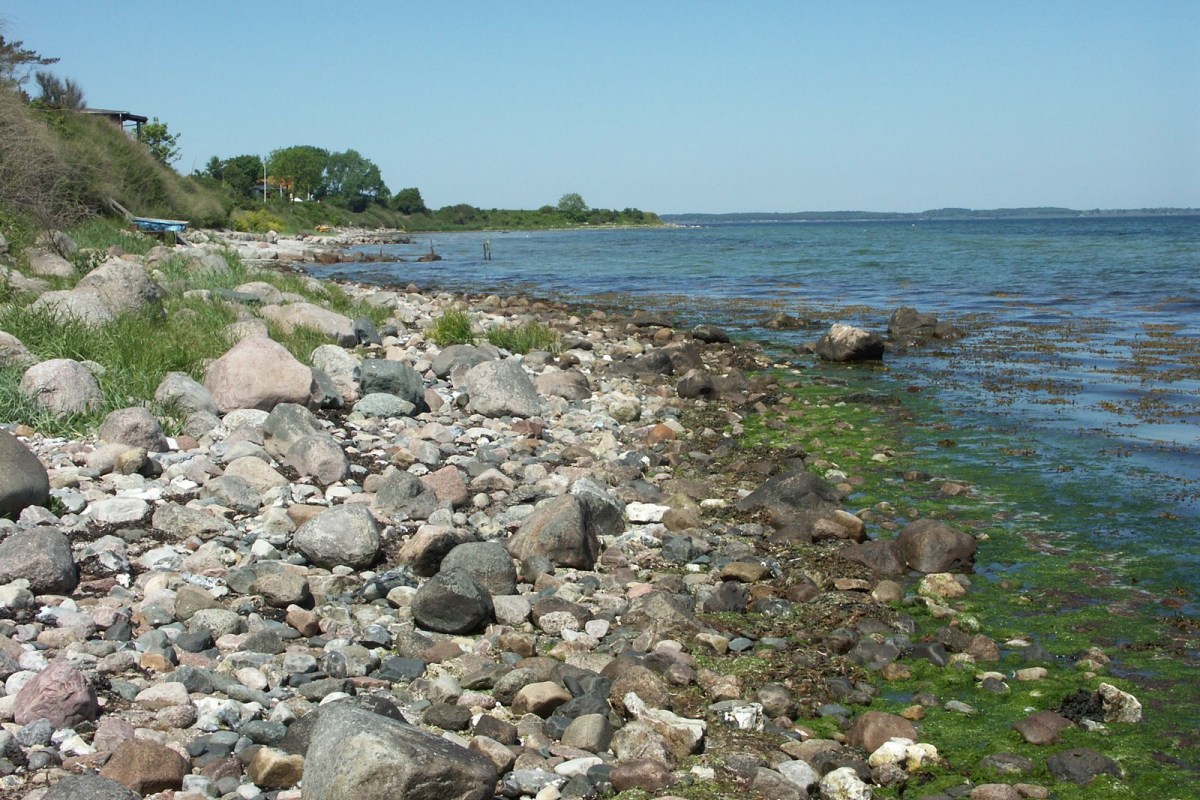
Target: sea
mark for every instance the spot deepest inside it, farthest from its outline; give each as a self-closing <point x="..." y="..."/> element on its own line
<point x="1078" y="375"/>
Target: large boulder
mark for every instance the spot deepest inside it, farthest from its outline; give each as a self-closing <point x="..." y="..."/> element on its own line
<point x="59" y="693"/>
<point x="146" y="767"/>
<point x="41" y="556"/>
<point x="23" y="480"/>
<point x="87" y="308"/>
<point x="258" y="372"/>
<point x="392" y="377"/>
<point x="180" y="391"/>
<point x="287" y="424"/>
<point x="48" y="264"/>
<point x="90" y="786"/>
<point x="794" y="498"/>
<point x="452" y="602"/>
<point x="501" y="388"/>
<point x="460" y="357"/>
<point x="488" y="563"/>
<point x="125" y="287"/>
<point x="62" y="386"/>
<point x="343" y="368"/>
<point x="567" y="384"/>
<point x="346" y="534"/>
<point x="932" y="546"/>
<point x="913" y="327"/>
<point x="133" y="427"/>
<point x="355" y="754"/>
<point x="336" y="326"/>
<point x="13" y="352"/>
<point x="847" y="343"/>
<point x="556" y="529"/>
<point x="402" y="495"/>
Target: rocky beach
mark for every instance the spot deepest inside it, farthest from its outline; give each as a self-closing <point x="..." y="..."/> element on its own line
<point x="421" y="571"/>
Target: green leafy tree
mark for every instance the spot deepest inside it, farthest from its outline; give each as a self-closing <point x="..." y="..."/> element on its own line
<point x="59" y="93"/>
<point x="17" y="61"/>
<point x="572" y="206"/>
<point x="353" y="180"/>
<point x="409" y="201"/>
<point x="162" y="144"/>
<point x="242" y="174"/>
<point x="301" y="166"/>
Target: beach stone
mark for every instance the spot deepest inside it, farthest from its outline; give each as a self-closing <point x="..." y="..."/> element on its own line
<point x="344" y="535"/>
<point x="459" y="357"/>
<point x="48" y="264"/>
<point x="847" y="343"/>
<point x="90" y="786"/>
<point x="684" y="736"/>
<point x="184" y="522"/>
<point x="1042" y="727"/>
<point x="909" y="324"/>
<point x="871" y="729"/>
<point x="556" y="530"/>
<point x="447" y="486"/>
<point x="286" y="425"/>
<point x="257" y="373"/>
<point x="181" y="391"/>
<point x="641" y="773"/>
<point x="662" y="616"/>
<point x="133" y="427"/>
<point x="570" y="385"/>
<point x="355" y="754"/>
<point x="321" y="457"/>
<point x="844" y="783"/>
<point x="342" y="367"/>
<point x="392" y="377"/>
<point x="1081" y="766"/>
<point x="13" y="353"/>
<point x="500" y="389"/>
<point x="540" y="698"/>
<point x="63" y="386"/>
<point x="425" y="550"/>
<point x="119" y="510"/>
<point x="488" y="562"/>
<point x="883" y="556"/>
<point x="603" y="512"/>
<point x="124" y="286"/>
<point x="797" y="498"/>
<point x="24" y="481"/>
<point x="383" y="405"/>
<point x="590" y="732"/>
<point x="710" y="334"/>
<point x="994" y="791"/>
<point x="275" y="769"/>
<point x="452" y="602"/>
<point x="402" y="495"/>
<point x="1119" y="706"/>
<point x="41" y="556"/>
<point x="59" y="693"/>
<point x="146" y="767"/>
<point x="932" y="546"/>
<point x="291" y="316"/>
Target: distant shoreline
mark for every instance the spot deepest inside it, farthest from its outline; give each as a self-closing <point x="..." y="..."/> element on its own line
<point x="941" y="214"/>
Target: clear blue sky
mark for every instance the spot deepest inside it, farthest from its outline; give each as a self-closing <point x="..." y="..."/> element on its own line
<point x="670" y="106"/>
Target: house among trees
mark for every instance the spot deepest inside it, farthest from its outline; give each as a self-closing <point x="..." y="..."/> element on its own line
<point x="120" y="118"/>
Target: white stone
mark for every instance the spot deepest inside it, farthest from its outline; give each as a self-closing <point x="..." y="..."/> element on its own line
<point x="844" y="784"/>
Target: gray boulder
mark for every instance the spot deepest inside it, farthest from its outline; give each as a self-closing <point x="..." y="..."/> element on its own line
<point x="501" y="388"/>
<point x="287" y="424"/>
<point x="343" y="369"/>
<point x="383" y="405"/>
<point x="556" y="529"/>
<point x="488" y="563"/>
<point x="291" y="316"/>
<point x="125" y="287"/>
<point x="567" y="384"/>
<point x="357" y="755"/>
<point x="48" y="264"/>
<point x="24" y="481"/>
<point x="319" y="456"/>
<point x="459" y="356"/>
<point x="403" y="495"/>
<point x="452" y="602"/>
<point x="43" y="557"/>
<point x="179" y="390"/>
<point x="603" y="512"/>
<point x="392" y="377"/>
<point x="797" y="498"/>
<point x="847" y="343"/>
<point x="931" y="546"/>
<point x="84" y="307"/>
<point x="134" y="427"/>
<point x="89" y="786"/>
<point x="346" y="534"/>
<point x="911" y="326"/>
<point x="63" y="386"/>
<point x="13" y="353"/>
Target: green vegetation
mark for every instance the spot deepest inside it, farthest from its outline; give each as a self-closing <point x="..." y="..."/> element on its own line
<point x="467" y="217"/>
<point x="452" y="327"/>
<point x="525" y="337"/>
<point x="135" y="351"/>
<point x="161" y="143"/>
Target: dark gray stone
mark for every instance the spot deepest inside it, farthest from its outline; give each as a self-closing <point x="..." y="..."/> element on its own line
<point x="392" y="377"/>
<point x="23" y="480"/>
<point x="43" y="557"/>
<point x="452" y="602"/>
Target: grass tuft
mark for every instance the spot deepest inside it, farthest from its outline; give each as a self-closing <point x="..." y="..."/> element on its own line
<point x="452" y="327"/>
<point x="525" y="337"/>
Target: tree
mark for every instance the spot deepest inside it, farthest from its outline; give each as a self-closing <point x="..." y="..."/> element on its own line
<point x="572" y="206"/>
<point x="241" y="174"/>
<point x="353" y="179"/>
<point x="16" y="61"/>
<point x="301" y="166"/>
<point x="162" y="144"/>
<point x="58" y="93"/>
<point x="409" y="201"/>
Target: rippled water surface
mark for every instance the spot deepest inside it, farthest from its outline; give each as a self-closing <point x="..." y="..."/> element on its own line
<point x="1083" y="352"/>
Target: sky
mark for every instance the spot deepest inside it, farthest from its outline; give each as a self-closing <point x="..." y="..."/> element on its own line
<point x="669" y="106"/>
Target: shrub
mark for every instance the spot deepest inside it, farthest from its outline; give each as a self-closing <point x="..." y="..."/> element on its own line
<point x="258" y="220"/>
<point x="525" y="337"/>
<point x="452" y="327"/>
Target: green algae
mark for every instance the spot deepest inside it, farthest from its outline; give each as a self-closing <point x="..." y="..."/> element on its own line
<point x="1035" y="579"/>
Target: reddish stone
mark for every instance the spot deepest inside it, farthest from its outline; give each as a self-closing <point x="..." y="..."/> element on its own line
<point x="146" y="767"/>
<point x="59" y="693"/>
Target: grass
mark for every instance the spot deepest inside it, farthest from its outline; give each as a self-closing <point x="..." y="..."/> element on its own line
<point x="525" y="337"/>
<point x="453" y="326"/>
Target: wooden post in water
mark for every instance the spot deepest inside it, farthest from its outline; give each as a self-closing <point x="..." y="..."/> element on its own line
<point x="487" y="249"/>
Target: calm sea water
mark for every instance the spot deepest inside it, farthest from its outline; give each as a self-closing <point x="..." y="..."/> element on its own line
<point x="1083" y="357"/>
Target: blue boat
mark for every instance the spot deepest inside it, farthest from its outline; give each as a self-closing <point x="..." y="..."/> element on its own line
<point x="151" y="225"/>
